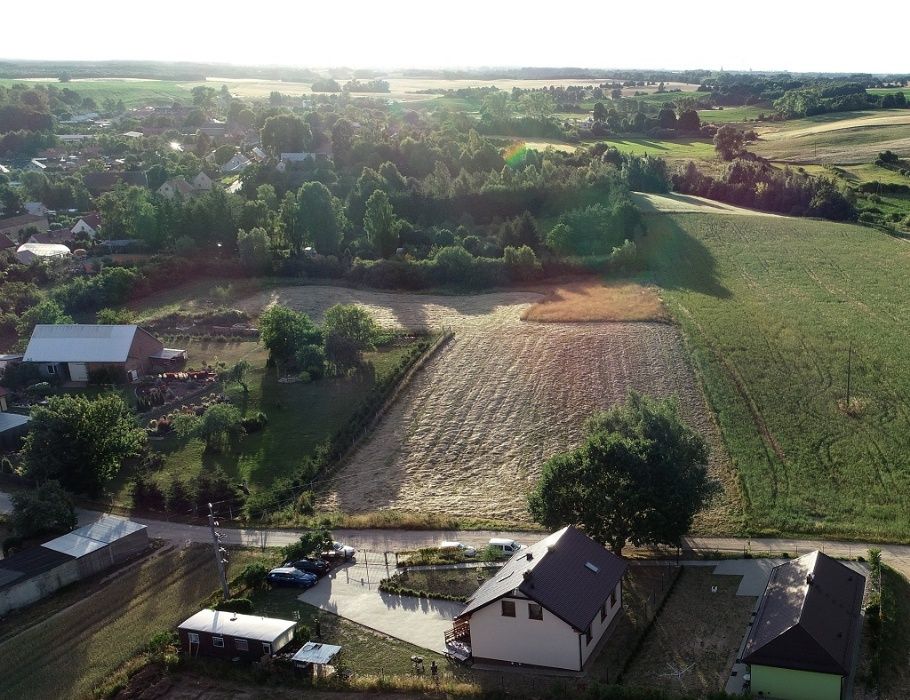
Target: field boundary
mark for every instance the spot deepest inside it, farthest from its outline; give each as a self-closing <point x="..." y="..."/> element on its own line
<point x="400" y="385"/>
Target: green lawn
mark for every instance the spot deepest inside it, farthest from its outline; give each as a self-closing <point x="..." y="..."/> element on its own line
<point x="673" y="149"/>
<point x="729" y="115"/>
<point x="134" y="93"/>
<point x="300" y="417"/>
<point x="770" y="307"/>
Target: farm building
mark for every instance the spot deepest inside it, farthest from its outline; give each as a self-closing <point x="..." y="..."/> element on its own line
<point x="549" y="606"/>
<point x="231" y="635"/>
<point x="28" y="576"/>
<point x="12" y="226"/>
<point x="28" y="253"/>
<point x="73" y="351"/>
<point x="803" y="642"/>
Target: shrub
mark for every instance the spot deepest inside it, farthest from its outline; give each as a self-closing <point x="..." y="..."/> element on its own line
<point x="253" y="424"/>
<point x="521" y="263"/>
<point x="237" y="605"/>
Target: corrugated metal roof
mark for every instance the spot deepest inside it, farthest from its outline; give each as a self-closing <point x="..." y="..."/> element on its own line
<point x="74" y="545"/>
<point x="809" y="616"/>
<point x="555" y="573"/>
<point x="316" y="653"/>
<point x="263" y="629"/>
<point x="78" y="342"/>
<point x="109" y="528"/>
<point x="28" y="564"/>
<point x="92" y="537"/>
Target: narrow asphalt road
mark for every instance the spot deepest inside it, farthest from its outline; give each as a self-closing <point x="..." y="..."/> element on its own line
<point x="391" y="540"/>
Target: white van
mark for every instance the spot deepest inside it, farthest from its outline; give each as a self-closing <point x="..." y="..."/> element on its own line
<point x="507" y="547"/>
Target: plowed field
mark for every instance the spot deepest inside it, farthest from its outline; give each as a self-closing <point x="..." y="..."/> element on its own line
<point x="468" y="435"/>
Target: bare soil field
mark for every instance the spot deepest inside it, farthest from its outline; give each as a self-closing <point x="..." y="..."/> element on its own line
<point x="469" y="434"/>
<point x="596" y="301"/>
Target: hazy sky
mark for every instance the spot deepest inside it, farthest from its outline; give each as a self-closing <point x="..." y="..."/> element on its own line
<point x="796" y="35"/>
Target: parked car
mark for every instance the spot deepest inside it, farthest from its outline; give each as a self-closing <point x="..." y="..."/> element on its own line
<point x="289" y="576"/>
<point x="457" y="547"/>
<point x="507" y="547"/>
<point x="339" y="551"/>
<point x="311" y="566"/>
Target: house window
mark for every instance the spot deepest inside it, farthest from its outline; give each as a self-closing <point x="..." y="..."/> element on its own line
<point x="218" y="642"/>
<point x="508" y="608"/>
<point x="192" y="637"/>
<point x="613" y="598"/>
<point x="52" y="369"/>
<point x="266" y="648"/>
<point x="241" y="645"/>
<point x="603" y="611"/>
<point x="588" y="635"/>
<point x="535" y="612"/>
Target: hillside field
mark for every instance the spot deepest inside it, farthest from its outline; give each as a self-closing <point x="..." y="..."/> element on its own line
<point x="770" y="307"/>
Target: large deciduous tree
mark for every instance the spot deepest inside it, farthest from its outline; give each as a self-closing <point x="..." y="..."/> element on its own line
<point x="46" y="510"/>
<point x="285" y="332"/>
<point x="349" y="331"/>
<point x="285" y="133"/>
<point x="380" y="223"/>
<point x="81" y="442"/>
<point x="320" y="217"/>
<point x="728" y="142"/>
<point x="639" y="477"/>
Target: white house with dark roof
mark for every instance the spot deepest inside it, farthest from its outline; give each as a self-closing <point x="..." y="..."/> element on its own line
<point x="549" y="606"/>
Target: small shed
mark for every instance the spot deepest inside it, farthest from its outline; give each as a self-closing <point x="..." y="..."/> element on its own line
<point x="13" y="427"/>
<point x="316" y="655"/>
<point x="230" y="635"/>
<point x="108" y="541"/>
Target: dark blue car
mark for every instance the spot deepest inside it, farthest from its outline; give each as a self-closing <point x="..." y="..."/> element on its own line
<point x="289" y="576"/>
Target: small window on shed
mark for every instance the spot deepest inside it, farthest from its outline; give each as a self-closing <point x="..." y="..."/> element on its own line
<point x="535" y="612"/>
<point x="218" y="642"/>
<point x="266" y="648"/>
<point x="508" y="608"/>
<point x="588" y="636"/>
<point x="603" y="612"/>
<point x="613" y="598"/>
<point x="192" y="637"/>
<point x="241" y="644"/>
<point x="52" y="369"/>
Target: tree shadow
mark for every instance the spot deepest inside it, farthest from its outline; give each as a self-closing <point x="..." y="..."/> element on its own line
<point x="677" y="261"/>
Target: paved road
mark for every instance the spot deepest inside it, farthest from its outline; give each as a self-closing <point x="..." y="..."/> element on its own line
<point x="378" y="541"/>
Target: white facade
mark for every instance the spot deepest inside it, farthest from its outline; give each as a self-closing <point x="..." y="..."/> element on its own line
<point x="82" y="226"/>
<point x="548" y="641"/>
<point x="202" y="182"/>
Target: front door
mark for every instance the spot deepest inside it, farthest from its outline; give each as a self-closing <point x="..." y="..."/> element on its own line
<point x="78" y="371"/>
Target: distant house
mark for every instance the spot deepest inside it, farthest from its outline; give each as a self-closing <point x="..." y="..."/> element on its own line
<point x="259" y="155"/>
<point x="214" y="132"/>
<point x="202" y="182"/>
<point x="237" y="164"/>
<point x="133" y="134"/>
<point x="28" y="253"/>
<point x="89" y="224"/>
<point x="291" y="160"/>
<point x="230" y="635"/>
<point x="36" y="165"/>
<point x="548" y="606"/>
<point x="99" y="183"/>
<point x="59" y="236"/>
<point x="4" y="170"/>
<point x="176" y="187"/>
<point x="803" y="641"/>
<point x="73" y="351"/>
<point x="14" y="225"/>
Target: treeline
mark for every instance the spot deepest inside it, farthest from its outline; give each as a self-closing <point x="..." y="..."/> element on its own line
<point x="845" y="97"/>
<point x="758" y="185"/>
<point x="149" y="69"/>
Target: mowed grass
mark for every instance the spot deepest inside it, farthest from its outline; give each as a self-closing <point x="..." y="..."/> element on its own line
<point x="733" y="115"/>
<point x="72" y="652"/>
<point x="300" y="417"/>
<point x="771" y="307"/>
<point x="671" y="149"/>
<point x="134" y="93"/>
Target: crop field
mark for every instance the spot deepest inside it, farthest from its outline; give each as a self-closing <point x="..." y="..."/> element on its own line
<point x="732" y="115"/>
<point x="771" y="307"/>
<point x="844" y="138"/>
<point x="671" y="149"/>
<point x="72" y="652"/>
<point x="468" y="435"/>
<point x="134" y="93"/>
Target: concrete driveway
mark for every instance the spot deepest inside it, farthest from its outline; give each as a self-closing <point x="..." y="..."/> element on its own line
<point x="352" y="591"/>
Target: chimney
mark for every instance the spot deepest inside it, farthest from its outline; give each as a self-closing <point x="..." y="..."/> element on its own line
<point x="810" y="578"/>
<point x="530" y="556"/>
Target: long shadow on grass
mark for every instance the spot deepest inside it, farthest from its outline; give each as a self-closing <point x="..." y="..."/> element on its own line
<point x="679" y="261"/>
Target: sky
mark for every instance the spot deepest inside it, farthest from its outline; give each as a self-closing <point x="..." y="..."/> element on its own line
<point x="795" y="35"/>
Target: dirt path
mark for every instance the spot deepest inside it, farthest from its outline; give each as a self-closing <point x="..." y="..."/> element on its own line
<point x="469" y="434"/>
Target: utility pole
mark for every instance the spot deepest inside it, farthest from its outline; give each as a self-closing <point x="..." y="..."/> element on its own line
<point x="220" y="553"/>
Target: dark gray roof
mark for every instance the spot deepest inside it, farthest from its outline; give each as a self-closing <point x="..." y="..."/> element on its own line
<point x="567" y="573"/>
<point x="97" y="183"/>
<point x="809" y="617"/>
<point x="29" y="563"/>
